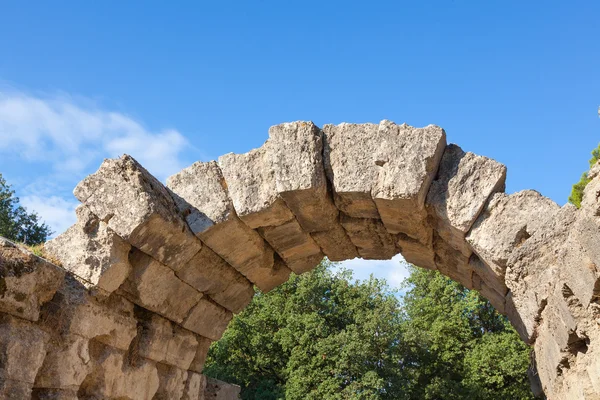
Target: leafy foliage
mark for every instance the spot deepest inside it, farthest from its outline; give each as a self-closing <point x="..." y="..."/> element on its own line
<point x="577" y="191"/>
<point x="323" y="336"/>
<point x="15" y="222"/>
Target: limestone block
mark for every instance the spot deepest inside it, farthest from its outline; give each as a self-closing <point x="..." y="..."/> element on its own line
<point x="92" y="251"/>
<point x="218" y="390"/>
<point x="253" y="190"/>
<point x="202" y="196"/>
<point x="459" y="192"/>
<point x="497" y="299"/>
<point x="201" y="353"/>
<point x="548" y="357"/>
<point x="370" y="238"/>
<point x="383" y="170"/>
<point x="533" y="269"/>
<point x="139" y="209"/>
<point x="162" y="341"/>
<point x="22" y="349"/>
<point x="26" y="281"/>
<point x="335" y="244"/>
<point x="194" y="387"/>
<point x="492" y="276"/>
<point x="113" y="377"/>
<point x="451" y="262"/>
<point x="296" y="248"/>
<point x="506" y="223"/>
<point x="171" y="382"/>
<point x="155" y="287"/>
<point x="417" y="252"/>
<point x="208" y="319"/>
<point x="74" y="311"/>
<point x="66" y="364"/>
<point x="295" y="153"/>
<point x="210" y="274"/>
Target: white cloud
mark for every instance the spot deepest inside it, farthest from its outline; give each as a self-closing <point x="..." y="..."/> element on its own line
<point x="61" y="139"/>
<point x="57" y="212"/>
<point x="394" y="270"/>
<point x="73" y="136"/>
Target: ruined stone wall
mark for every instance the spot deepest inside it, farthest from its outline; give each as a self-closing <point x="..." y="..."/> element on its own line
<point x="151" y="274"/>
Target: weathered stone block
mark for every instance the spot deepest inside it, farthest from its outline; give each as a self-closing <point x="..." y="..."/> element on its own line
<point x="208" y="319"/>
<point x="210" y="274"/>
<point x="451" y="262"/>
<point x="202" y="195"/>
<point x="139" y="209"/>
<point x="171" y="382"/>
<point x="201" y="353"/>
<point x="418" y="252"/>
<point x="22" y="349"/>
<point x="218" y="390"/>
<point x="73" y="311"/>
<point x="14" y="390"/>
<point x="93" y="252"/>
<point x="383" y="171"/>
<point x="370" y="238"/>
<point x="53" y="394"/>
<point x="162" y="341"/>
<point x="66" y="364"/>
<point x="154" y="286"/>
<point x="26" y="281"/>
<point x="533" y="269"/>
<point x="194" y="387"/>
<point x="459" y="192"/>
<point x="493" y="276"/>
<point x="335" y="244"/>
<point x="506" y="223"/>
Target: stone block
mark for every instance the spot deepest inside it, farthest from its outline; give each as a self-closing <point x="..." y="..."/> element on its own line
<point x="219" y="390"/>
<point x="66" y="364"/>
<point x="22" y="349"/>
<point x="26" y="281"/>
<point x="162" y="341"/>
<point x="155" y="287"/>
<point x="210" y="274"/>
<point x="451" y="262"/>
<point x="492" y="276"/>
<point x="139" y="209"/>
<point x="53" y="394"/>
<point x="201" y="353"/>
<point x="496" y="299"/>
<point x="533" y="269"/>
<point x="93" y="252"/>
<point x="370" y="238"/>
<point x="171" y="382"/>
<point x="14" y="390"/>
<point x="506" y="223"/>
<point x="208" y="319"/>
<point x="74" y="311"/>
<point x="203" y="197"/>
<point x="194" y="387"/>
<point x="459" y="193"/>
<point x="335" y="244"/>
<point x="417" y="252"/>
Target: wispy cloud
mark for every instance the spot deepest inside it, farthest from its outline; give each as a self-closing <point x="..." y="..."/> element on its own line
<point x="61" y="139"/>
<point x="72" y="135"/>
<point x="394" y="271"/>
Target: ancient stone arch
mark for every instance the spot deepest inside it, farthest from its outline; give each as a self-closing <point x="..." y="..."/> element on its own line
<point x="150" y="274"/>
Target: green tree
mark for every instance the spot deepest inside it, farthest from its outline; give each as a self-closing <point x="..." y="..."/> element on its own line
<point x="318" y="336"/>
<point x="15" y="222"/>
<point x="577" y="191"/>
<point x="324" y="336"/>
<point x="457" y="346"/>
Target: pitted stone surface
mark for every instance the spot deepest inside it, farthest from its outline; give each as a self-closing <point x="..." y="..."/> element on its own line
<point x="139" y="209"/>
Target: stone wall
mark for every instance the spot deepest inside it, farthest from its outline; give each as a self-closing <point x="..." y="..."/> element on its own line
<point x="151" y="274"/>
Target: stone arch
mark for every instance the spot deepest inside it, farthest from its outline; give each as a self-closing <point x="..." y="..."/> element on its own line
<point x="154" y="273"/>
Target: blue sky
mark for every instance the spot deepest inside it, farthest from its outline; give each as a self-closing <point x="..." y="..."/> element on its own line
<point x="175" y="83"/>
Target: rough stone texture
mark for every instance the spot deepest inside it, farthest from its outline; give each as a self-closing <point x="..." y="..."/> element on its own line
<point x="219" y="390"/>
<point x="210" y="274"/>
<point x="154" y="286"/>
<point x="26" y="281"/>
<point x="504" y="225"/>
<point x="208" y="319"/>
<point x="142" y="299"/>
<point x="459" y="192"/>
<point x="202" y="196"/>
<point x="139" y="209"/>
<point x="93" y="252"/>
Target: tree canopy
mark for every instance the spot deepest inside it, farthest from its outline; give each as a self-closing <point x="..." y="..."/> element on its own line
<point x="324" y="336"/>
<point x="16" y="223"/>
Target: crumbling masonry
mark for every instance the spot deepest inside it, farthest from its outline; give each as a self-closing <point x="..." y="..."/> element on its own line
<point x="150" y="274"/>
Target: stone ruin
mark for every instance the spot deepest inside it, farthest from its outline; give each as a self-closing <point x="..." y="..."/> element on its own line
<point x="150" y="275"/>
